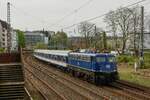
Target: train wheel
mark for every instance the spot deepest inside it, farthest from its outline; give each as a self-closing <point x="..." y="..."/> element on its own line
<point x="96" y="80"/>
<point x="73" y="73"/>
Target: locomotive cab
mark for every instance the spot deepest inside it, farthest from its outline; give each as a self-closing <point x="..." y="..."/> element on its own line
<point x="105" y="67"/>
<point x="105" y="63"/>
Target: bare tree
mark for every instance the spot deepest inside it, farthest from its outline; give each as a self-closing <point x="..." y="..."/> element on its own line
<point x="135" y="27"/>
<point x="97" y="37"/>
<point x="147" y="23"/>
<point x="85" y="29"/>
<point x="123" y="16"/>
<point x="110" y="19"/>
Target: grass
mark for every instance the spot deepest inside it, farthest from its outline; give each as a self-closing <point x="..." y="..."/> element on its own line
<point x="131" y="59"/>
<point x="127" y="72"/>
<point x="147" y="60"/>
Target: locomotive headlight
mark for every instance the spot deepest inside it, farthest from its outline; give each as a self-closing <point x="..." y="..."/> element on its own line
<point x="107" y="66"/>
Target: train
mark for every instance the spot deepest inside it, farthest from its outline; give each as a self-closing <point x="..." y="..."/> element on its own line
<point x="97" y="68"/>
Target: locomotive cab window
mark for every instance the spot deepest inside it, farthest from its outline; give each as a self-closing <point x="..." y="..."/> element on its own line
<point x="111" y="59"/>
<point x="100" y="59"/>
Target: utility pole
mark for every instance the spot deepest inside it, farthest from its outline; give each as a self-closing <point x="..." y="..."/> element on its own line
<point x="95" y="31"/>
<point x="142" y="38"/>
<point x="8" y="28"/>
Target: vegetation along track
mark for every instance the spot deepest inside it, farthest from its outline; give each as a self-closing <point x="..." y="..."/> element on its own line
<point x="108" y="92"/>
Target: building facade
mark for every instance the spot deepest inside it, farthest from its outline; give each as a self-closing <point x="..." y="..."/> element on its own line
<point x="3" y="34"/>
<point x="14" y="41"/>
<point x="32" y="38"/>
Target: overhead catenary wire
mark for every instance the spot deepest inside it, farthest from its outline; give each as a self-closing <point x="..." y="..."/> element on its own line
<point x="27" y="14"/>
<point x="71" y="13"/>
<point x="90" y="19"/>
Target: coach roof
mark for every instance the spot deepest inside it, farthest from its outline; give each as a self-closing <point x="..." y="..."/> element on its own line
<point x="88" y="54"/>
<point x="54" y="52"/>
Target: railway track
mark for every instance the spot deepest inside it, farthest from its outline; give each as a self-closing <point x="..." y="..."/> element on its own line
<point x="140" y="92"/>
<point x="36" y="89"/>
<point x="103" y="92"/>
<point x="43" y="88"/>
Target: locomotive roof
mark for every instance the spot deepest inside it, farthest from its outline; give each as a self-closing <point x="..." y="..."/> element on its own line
<point x="54" y="52"/>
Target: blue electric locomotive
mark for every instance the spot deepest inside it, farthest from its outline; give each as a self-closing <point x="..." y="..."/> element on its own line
<point x="94" y="67"/>
<point x="97" y="68"/>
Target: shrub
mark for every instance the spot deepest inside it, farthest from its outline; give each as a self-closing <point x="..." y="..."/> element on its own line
<point x="125" y="59"/>
<point x="2" y="50"/>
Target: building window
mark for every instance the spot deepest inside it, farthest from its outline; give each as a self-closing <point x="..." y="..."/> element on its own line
<point x="3" y="30"/>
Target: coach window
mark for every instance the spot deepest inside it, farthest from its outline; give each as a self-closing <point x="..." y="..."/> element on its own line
<point x="79" y="57"/>
<point x="63" y="59"/>
<point x="84" y="58"/>
<point x="60" y="58"/>
<point x="55" y="58"/>
<point x="87" y="58"/>
<point x="75" y="58"/>
<point x="71" y="57"/>
<point x="52" y="57"/>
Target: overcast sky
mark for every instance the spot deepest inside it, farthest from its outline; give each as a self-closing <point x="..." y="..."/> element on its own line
<point x="38" y="14"/>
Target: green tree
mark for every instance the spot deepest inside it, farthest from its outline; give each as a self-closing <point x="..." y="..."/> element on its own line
<point x="21" y="39"/>
<point x="41" y="45"/>
<point x="59" y="40"/>
<point x="2" y="50"/>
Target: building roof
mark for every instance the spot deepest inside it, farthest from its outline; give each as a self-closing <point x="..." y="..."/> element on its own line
<point x="33" y="33"/>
